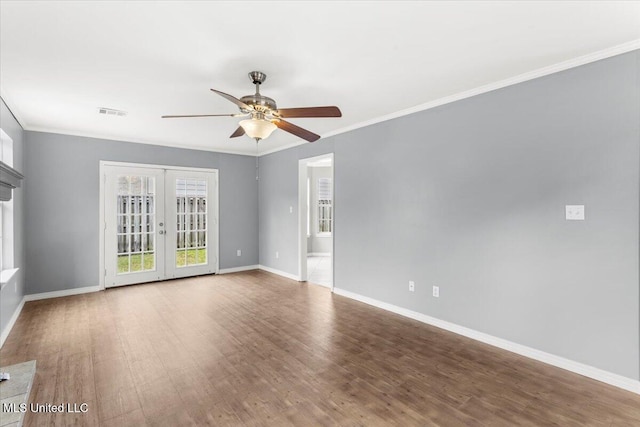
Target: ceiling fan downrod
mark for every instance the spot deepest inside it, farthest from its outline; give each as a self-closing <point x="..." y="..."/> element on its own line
<point x="257" y="77"/>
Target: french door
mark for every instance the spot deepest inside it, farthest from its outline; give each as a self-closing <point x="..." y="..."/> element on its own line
<point x="159" y="223"/>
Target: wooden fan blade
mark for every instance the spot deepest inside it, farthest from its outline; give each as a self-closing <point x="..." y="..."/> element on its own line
<point x="237" y="133"/>
<point x="296" y="130"/>
<point x="233" y="99"/>
<point x="310" y="112"/>
<point x="199" y="115"/>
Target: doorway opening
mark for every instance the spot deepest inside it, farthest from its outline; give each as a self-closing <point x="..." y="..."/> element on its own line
<point x="156" y="223"/>
<point x="316" y="220"/>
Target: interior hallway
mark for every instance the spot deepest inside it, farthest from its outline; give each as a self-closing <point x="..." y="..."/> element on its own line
<point x="319" y="270"/>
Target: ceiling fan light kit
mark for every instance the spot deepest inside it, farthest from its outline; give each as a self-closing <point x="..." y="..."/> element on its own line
<point x="265" y="115"/>
<point x="258" y="128"/>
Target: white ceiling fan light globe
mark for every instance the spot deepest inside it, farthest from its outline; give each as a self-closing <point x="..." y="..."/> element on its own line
<point x="257" y="128"/>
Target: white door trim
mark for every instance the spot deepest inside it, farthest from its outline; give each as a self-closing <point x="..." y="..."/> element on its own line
<point x="302" y="215"/>
<point x="152" y="166"/>
<point x="101" y="217"/>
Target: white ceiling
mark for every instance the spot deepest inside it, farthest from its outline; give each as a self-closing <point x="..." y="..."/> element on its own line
<point x="60" y="61"/>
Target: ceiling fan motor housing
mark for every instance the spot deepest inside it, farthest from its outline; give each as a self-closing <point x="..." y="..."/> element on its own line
<point x="259" y="102"/>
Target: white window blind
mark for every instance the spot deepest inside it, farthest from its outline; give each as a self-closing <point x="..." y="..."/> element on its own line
<point x="308" y="207"/>
<point x="324" y="189"/>
<point x="325" y="206"/>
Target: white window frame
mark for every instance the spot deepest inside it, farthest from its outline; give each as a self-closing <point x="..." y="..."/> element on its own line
<point x="1" y="233"/>
<point x="308" y="206"/>
<point x="319" y="209"/>
<point x="7" y="270"/>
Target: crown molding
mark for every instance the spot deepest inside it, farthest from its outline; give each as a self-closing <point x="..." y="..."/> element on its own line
<point x="540" y="72"/>
<point x="134" y="140"/>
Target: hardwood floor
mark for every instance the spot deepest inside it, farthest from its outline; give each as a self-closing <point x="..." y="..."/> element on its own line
<point x="256" y="349"/>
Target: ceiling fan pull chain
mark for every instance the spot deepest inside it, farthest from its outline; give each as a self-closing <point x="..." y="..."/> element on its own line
<point x="257" y="163"/>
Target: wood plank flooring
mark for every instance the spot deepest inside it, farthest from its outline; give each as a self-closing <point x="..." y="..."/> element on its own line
<point x="256" y="349"/>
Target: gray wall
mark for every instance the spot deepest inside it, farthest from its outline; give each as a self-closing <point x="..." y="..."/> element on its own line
<point x="238" y="210"/>
<point x="317" y="244"/>
<point x="470" y="196"/>
<point x="62" y="204"/>
<point x="10" y="298"/>
<point x="278" y="191"/>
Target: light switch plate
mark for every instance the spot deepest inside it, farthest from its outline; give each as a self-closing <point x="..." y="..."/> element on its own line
<point x="574" y="212"/>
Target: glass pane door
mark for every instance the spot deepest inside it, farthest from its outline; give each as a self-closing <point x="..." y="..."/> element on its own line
<point x="134" y="222"/>
<point x="159" y="224"/>
<point x="191" y="219"/>
<point x="189" y="243"/>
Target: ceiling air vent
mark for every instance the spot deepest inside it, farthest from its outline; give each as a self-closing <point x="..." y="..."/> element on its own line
<point x="111" y="112"/>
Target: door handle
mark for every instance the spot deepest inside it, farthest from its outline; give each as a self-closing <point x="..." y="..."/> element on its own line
<point x="161" y="232"/>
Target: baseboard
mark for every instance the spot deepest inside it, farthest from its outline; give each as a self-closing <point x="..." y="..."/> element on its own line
<point x="551" y="359"/>
<point x="319" y="254"/>
<point x="12" y="321"/>
<point x="64" y="293"/>
<point x="279" y="272"/>
<point x="238" y="269"/>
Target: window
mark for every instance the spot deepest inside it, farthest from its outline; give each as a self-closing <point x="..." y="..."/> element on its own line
<point x="325" y="206"/>
<point x="1" y="233"/>
<point x="6" y="235"/>
<point x="6" y="209"/>
<point x="308" y="207"/>
<point x="6" y="220"/>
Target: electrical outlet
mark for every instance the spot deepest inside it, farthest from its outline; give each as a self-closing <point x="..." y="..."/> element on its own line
<point x="436" y="291"/>
<point x="239" y="252"/>
<point x="277" y="254"/>
<point x="574" y="212"/>
<point x="412" y="286"/>
<point x="290" y="209"/>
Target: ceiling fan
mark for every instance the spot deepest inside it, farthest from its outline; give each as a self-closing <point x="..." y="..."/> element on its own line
<point x="266" y="116"/>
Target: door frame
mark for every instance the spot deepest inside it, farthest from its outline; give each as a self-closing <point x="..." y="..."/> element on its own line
<point x="110" y="233"/>
<point x="102" y="222"/>
<point x="303" y="167"/>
